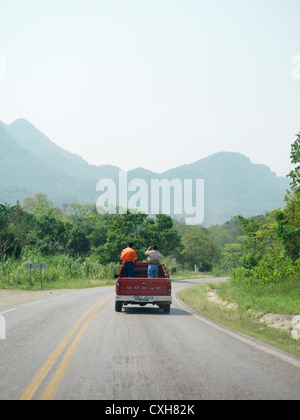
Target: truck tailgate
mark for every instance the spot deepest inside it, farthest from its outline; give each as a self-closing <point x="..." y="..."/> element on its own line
<point x="144" y="287"/>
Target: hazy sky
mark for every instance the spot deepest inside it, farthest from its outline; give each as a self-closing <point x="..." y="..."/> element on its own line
<point x="155" y="83"/>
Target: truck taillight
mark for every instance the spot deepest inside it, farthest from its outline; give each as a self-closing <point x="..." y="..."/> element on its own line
<point x="117" y="287"/>
<point x="169" y="286"/>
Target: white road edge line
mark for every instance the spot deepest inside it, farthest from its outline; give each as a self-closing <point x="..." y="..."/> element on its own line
<point x="9" y="310"/>
<point x="33" y="302"/>
<point x="259" y="345"/>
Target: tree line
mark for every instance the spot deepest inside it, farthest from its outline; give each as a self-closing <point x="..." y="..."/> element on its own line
<point x="78" y="230"/>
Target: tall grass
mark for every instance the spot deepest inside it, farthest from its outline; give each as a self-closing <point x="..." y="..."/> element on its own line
<point x="281" y="297"/>
<point x="63" y="271"/>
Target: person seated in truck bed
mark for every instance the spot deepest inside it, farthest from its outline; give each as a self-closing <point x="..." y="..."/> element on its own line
<point x="129" y="259"/>
<point x="153" y="259"/>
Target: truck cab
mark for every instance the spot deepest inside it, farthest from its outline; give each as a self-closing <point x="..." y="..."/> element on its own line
<point x="141" y="290"/>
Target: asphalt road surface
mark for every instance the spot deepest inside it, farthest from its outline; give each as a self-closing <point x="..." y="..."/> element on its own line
<point x="74" y="346"/>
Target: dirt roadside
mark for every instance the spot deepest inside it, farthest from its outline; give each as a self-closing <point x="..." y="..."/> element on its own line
<point x="10" y="298"/>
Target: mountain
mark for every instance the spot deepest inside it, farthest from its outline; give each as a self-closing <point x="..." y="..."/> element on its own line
<point x="234" y="185"/>
<point x="30" y="162"/>
<point x="48" y="153"/>
<point x="23" y="174"/>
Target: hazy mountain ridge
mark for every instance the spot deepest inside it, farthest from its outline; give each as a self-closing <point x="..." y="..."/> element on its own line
<point x="30" y="162"/>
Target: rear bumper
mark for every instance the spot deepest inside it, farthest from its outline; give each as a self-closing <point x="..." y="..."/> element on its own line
<point x="144" y="299"/>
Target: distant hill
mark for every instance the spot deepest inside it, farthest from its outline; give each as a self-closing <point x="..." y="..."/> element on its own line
<point x="30" y="162"/>
<point x="48" y="153"/>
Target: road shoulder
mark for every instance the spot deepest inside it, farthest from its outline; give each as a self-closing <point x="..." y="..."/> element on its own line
<point x="10" y="298"/>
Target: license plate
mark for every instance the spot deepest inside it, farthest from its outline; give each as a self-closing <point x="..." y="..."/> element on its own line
<point x="144" y="299"/>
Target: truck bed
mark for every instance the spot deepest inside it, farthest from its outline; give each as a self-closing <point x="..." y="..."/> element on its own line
<point x="141" y="290"/>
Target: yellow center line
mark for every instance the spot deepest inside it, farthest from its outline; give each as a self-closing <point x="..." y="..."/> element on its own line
<point x="42" y="373"/>
<point x="52" y="388"/>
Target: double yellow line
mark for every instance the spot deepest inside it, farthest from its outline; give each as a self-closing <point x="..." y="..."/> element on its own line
<point x="53" y="386"/>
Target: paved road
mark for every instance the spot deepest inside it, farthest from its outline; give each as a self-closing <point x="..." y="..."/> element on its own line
<point x="74" y="346"/>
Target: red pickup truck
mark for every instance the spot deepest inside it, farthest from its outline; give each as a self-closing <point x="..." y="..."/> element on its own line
<point x="142" y="291"/>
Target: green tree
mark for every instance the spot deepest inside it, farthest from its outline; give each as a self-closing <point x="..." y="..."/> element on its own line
<point x="294" y="175"/>
<point x="161" y="232"/>
<point x="49" y="235"/>
<point x="39" y="199"/>
<point x="142" y="231"/>
<point x="14" y="227"/>
<point x="230" y="256"/>
<point x="289" y="218"/>
<point x="120" y="230"/>
<point x="77" y="244"/>
<point x="79" y="212"/>
<point x="200" y="250"/>
<point x="259" y="236"/>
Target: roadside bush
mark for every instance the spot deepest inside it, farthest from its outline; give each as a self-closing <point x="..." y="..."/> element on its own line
<point x="273" y="267"/>
<point x="240" y="276"/>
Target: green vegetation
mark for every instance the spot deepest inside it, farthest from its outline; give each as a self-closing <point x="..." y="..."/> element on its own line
<point x="282" y="297"/>
<point x="271" y="244"/>
<point x="80" y="247"/>
<point x="63" y="272"/>
<point x="263" y="260"/>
